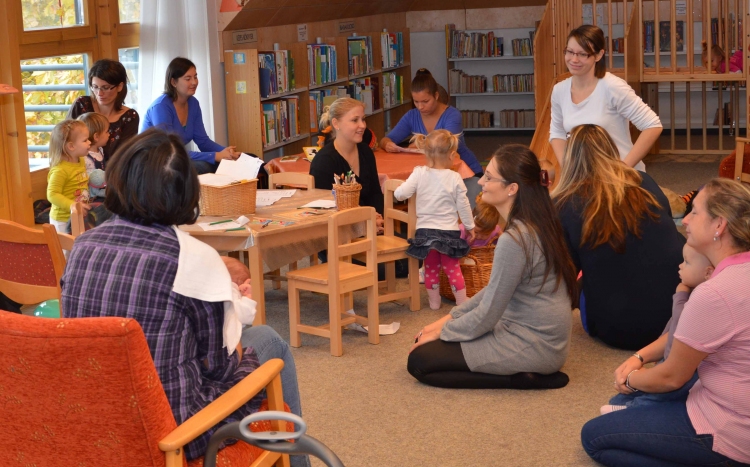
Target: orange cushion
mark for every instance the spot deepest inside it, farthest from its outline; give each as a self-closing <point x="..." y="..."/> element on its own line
<point x="727" y="166"/>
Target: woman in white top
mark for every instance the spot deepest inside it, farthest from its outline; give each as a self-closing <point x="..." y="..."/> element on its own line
<point x="591" y="95"/>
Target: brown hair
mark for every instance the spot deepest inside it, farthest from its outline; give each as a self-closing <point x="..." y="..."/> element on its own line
<point x="176" y="70"/>
<point x="61" y="135"/>
<point x="486" y="218"/>
<point x="424" y="81"/>
<point x="151" y="180"/>
<point x="615" y="203"/>
<point x="96" y="122"/>
<point x="533" y="208"/>
<point x="591" y="39"/>
<point x="730" y="200"/>
<point x="114" y="73"/>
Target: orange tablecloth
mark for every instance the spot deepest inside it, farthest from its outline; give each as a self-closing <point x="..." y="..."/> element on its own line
<point x="390" y="165"/>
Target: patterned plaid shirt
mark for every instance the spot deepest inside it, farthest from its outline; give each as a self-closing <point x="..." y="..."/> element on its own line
<point x="127" y="270"/>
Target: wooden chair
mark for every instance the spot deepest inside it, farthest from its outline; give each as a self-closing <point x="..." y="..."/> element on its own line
<point x="337" y="278"/>
<point x="77" y="223"/>
<point x="390" y="248"/>
<point x="739" y="175"/>
<point x="32" y="263"/>
<point x="293" y="180"/>
<point x="84" y="391"/>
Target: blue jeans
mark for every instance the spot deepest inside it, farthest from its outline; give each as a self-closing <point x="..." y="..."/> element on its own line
<point x="660" y="435"/>
<point x="203" y="167"/>
<point x="642" y="399"/>
<point x="268" y="344"/>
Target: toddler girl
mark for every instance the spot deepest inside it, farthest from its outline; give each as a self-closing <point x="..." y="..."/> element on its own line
<point x="98" y="126"/>
<point x="486" y="220"/>
<point x="67" y="181"/>
<point x="694" y="270"/>
<point x="719" y="60"/>
<point x="441" y="200"/>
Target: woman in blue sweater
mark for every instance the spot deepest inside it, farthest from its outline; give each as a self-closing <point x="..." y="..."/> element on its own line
<point x="177" y="111"/>
<point x="431" y="114"/>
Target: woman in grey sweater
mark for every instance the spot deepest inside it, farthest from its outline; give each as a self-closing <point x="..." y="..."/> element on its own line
<point x="515" y="332"/>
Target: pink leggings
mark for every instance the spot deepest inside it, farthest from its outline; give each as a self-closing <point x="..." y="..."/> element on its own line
<point x="450" y="266"/>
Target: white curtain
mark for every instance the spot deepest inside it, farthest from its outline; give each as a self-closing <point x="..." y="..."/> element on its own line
<point x="185" y="28"/>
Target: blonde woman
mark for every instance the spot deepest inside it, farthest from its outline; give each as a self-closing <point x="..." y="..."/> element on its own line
<point x="710" y="426"/>
<point x="621" y="235"/>
<point x="348" y="153"/>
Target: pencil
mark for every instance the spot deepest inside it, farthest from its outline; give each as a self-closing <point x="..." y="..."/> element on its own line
<point x="220" y="222"/>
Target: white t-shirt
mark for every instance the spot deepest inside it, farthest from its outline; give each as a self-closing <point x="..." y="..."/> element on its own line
<point x="441" y="198"/>
<point x="612" y="105"/>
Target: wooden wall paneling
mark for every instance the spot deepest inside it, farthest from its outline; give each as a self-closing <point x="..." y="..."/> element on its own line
<point x="107" y="15"/>
<point x="243" y="109"/>
<point x="79" y="46"/>
<point x="15" y="184"/>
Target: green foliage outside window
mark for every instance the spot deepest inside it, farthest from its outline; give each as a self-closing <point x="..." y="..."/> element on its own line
<point x="43" y="14"/>
<point x="130" y="11"/>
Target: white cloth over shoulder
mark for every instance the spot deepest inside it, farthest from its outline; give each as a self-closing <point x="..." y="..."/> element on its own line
<point x="201" y="274"/>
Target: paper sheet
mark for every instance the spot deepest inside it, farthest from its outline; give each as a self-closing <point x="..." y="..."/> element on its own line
<point x="244" y="168"/>
<point x="385" y="329"/>
<point x="321" y="204"/>
<point x="223" y="226"/>
<point x="214" y="180"/>
<point x="268" y="197"/>
<point x="411" y="150"/>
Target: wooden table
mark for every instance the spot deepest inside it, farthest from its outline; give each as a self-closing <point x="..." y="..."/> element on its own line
<point x="274" y="244"/>
<point x="390" y="165"/>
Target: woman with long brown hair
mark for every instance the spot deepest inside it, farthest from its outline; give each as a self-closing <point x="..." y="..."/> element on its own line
<point x="515" y="332"/>
<point x="621" y="235"/>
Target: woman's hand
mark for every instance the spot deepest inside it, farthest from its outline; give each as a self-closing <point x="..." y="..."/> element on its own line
<point x="390" y="146"/>
<point x="622" y="372"/>
<point x="430" y="333"/>
<point x="228" y="153"/>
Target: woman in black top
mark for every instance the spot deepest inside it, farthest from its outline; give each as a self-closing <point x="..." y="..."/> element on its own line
<point x="620" y="233"/>
<point x="347" y="152"/>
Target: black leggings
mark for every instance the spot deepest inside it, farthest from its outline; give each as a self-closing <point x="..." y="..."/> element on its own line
<point x="442" y="364"/>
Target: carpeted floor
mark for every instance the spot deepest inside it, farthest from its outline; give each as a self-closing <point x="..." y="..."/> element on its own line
<point x="371" y="412"/>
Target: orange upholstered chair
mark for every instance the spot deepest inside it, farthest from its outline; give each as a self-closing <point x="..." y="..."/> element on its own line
<point x="85" y="392"/>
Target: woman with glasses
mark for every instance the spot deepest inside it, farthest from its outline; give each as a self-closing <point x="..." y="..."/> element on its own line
<point x="515" y="332"/>
<point x="592" y="95"/>
<point x="178" y="111"/>
<point x="621" y="235"/>
<point x="108" y="82"/>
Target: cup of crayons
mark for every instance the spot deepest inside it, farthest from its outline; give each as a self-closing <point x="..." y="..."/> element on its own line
<point x="346" y="191"/>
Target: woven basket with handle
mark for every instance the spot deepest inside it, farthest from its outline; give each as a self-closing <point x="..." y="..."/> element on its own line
<point x="230" y="200"/>
<point x="476" y="268"/>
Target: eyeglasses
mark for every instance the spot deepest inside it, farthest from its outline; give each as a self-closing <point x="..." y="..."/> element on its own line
<point x="489" y="179"/>
<point x="579" y="55"/>
<point x="95" y="88"/>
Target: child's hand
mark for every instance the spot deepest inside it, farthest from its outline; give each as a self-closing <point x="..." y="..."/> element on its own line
<point x="85" y="208"/>
<point x="683" y="288"/>
<point x="246" y="289"/>
<point x="470" y="236"/>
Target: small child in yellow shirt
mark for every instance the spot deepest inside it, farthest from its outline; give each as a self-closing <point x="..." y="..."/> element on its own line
<point x="67" y="181"/>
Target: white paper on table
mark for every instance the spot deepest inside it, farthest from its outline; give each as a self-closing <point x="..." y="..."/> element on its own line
<point x="385" y="329"/>
<point x="244" y="168"/>
<point x="215" y="180"/>
<point x="223" y="226"/>
<point x="411" y="150"/>
<point x="268" y="197"/>
<point x="321" y="204"/>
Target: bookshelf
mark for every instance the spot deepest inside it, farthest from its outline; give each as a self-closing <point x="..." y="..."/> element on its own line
<point x="491" y="78"/>
<point x="373" y="67"/>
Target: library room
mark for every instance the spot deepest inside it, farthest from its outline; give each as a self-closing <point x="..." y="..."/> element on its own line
<point x="522" y="221"/>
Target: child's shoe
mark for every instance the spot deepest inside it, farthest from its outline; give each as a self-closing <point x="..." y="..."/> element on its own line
<point x="611" y="408"/>
<point x="460" y="296"/>
<point x="434" y="297"/>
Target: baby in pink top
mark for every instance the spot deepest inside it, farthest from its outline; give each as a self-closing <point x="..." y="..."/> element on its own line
<point x="486" y="225"/>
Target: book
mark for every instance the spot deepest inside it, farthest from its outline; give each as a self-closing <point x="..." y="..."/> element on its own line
<point x="267" y="60"/>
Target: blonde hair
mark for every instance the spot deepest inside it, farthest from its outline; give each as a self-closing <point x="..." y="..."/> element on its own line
<point x="437" y="146"/>
<point x="61" y="135"/>
<point x="730" y="200"/>
<point x="96" y="123"/>
<point x="337" y="110"/>
<point x="615" y="203"/>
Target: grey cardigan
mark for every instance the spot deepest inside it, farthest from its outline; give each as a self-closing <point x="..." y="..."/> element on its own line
<point x="518" y="323"/>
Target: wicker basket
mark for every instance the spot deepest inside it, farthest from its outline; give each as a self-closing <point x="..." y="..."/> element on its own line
<point x="476" y="272"/>
<point x="230" y="200"/>
<point x="347" y="196"/>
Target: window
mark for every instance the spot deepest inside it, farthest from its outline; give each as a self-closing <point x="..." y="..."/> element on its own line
<point x="50" y="86"/>
<point x="130" y="59"/>
<point x="130" y="11"/>
<point x="45" y="14"/>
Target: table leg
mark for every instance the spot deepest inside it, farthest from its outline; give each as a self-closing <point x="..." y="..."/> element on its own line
<point x="256" y="274"/>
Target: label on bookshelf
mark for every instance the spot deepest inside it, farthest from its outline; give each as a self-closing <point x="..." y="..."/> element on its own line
<point x="302" y="32"/>
<point x="245" y="36"/>
<point x="346" y="27"/>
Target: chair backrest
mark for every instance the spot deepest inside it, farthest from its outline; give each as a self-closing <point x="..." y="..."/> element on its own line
<point x="739" y="160"/>
<point x="81" y="391"/>
<point x="66" y="242"/>
<point x="391" y="214"/>
<point x="346" y="239"/>
<point x="295" y="179"/>
<point x="77" y="224"/>
<point x="32" y="263"/>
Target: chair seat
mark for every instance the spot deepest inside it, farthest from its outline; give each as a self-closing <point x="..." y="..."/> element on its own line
<point x="389" y="244"/>
<point x="318" y="274"/>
